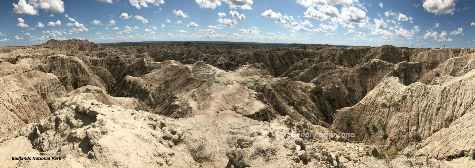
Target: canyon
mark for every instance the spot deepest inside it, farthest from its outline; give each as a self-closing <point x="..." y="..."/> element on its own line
<point x="236" y="105"/>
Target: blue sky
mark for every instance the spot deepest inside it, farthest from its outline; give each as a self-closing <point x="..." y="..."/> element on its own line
<point x="413" y="23"/>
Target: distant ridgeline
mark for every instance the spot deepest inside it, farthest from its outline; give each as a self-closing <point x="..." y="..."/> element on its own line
<point x="72" y="44"/>
<point x="225" y="43"/>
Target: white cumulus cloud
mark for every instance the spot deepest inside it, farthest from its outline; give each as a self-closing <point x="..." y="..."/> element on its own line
<point x="124" y="16"/>
<point x="347" y="13"/>
<point x="139" y="4"/>
<point x="313" y="3"/>
<point x="405" y="33"/>
<point x="22" y="7"/>
<point x="56" y="6"/>
<point x="76" y="27"/>
<point x="96" y="22"/>
<point x="112" y="22"/>
<point x="322" y="13"/>
<point x="55" y="23"/>
<point x="211" y="4"/>
<point x="240" y="4"/>
<point x="32" y="6"/>
<point x="457" y="32"/>
<point x="180" y="13"/>
<point x="227" y="22"/>
<point x="233" y="4"/>
<point x="398" y="16"/>
<point x="106" y="1"/>
<point x="443" y="36"/>
<point x="439" y="7"/>
<point x="141" y="19"/>
<point x="437" y="36"/>
<point x="192" y="24"/>
<point x="222" y="14"/>
<point x="25" y="36"/>
<point x="40" y="25"/>
<point x="294" y="25"/>
<point x="21" y="23"/>
<point x="236" y="15"/>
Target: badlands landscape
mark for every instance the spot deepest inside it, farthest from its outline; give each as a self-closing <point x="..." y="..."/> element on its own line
<point x="235" y="105"/>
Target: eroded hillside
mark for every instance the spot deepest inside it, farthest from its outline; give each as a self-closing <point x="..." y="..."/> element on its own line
<point x="236" y="105"/>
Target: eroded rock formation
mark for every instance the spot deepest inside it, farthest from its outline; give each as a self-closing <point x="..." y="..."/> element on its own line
<point x="239" y="105"/>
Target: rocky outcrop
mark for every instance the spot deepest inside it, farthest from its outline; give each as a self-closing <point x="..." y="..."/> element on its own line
<point x="408" y="72"/>
<point x="25" y="98"/>
<point x="343" y="86"/>
<point x="453" y="67"/>
<point x="399" y="115"/>
<point x="73" y="44"/>
<point x="301" y="101"/>
<point x="72" y="72"/>
<point x="162" y="89"/>
<point x="178" y="91"/>
<point x="85" y="132"/>
<point x="7" y="68"/>
<point x="452" y="142"/>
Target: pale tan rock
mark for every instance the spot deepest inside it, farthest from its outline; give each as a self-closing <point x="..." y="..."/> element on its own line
<point x="72" y="72"/>
<point x="263" y="106"/>
<point x="24" y="98"/>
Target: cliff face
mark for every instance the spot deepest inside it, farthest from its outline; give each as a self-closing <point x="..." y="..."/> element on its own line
<point x="213" y="105"/>
<point x="24" y="96"/>
<point x="401" y="115"/>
